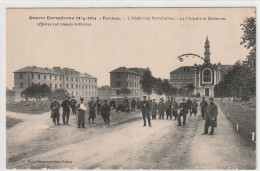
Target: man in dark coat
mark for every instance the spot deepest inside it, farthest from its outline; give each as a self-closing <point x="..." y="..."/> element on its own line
<point x="150" y="101"/>
<point x="105" y="112"/>
<point x="189" y="103"/>
<point x="98" y="102"/>
<point x="66" y="110"/>
<point x="145" y="107"/>
<point x="203" y="106"/>
<point x="169" y="108"/>
<point x="161" y="109"/>
<point x="211" y="117"/>
<point x="183" y="112"/>
<point x="112" y="104"/>
<point x="73" y="106"/>
<point x="154" y="109"/>
<point x="92" y="111"/>
<point x="194" y="108"/>
<point x="55" y="111"/>
<point x="133" y="104"/>
<point x="175" y="108"/>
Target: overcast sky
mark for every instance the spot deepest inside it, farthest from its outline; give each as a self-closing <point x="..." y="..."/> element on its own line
<point x="107" y="45"/>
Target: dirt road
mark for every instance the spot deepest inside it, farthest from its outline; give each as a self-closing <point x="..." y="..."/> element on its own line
<point x="124" y="145"/>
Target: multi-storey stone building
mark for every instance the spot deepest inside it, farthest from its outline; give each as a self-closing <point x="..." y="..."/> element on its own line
<point x="76" y="83"/>
<point x="129" y="78"/>
<point x="204" y="77"/>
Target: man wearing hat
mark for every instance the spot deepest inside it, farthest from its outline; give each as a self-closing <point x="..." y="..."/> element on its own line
<point x="98" y="105"/>
<point x="92" y="111"/>
<point x="169" y="108"/>
<point x="105" y="112"/>
<point x="81" y="107"/>
<point x="161" y="109"/>
<point x="154" y="109"/>
<point x="203" y="106"/>
<point x="189" y="104"/>
<point x="55" y="111"/>
<point x="175" y="108"/>
<point x="183" y="112"/>
<point x="145" y="107"/>
<point x="211" y="117"/>
<point x="194" y="107"/>
<point x="66" y="110"/>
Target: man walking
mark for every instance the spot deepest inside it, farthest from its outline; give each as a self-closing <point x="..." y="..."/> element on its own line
<point x="194" y="107"/>
<point x="169" y="108"/>
<point x="81" y="113"/>
<point x="105" y="112"/>
<point x="183" y="113"/>
<point x="154" y="109"/>
<point x="92" y="111"/>
<point x="161" y="109"/>
<point x="175" y="109"/>
<point x="203" y="106"/>
<point x="145" y="107"/>
<point x="66" y="110"/>
<point x="98" y="102"/>
<point x="133" y="104"/>
<point x="55" y="111"/>
<point x="189" y="103"/>
<point x="211" y="117"/>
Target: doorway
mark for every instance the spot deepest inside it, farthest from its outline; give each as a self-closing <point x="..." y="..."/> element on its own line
<point x="206" y="91"/>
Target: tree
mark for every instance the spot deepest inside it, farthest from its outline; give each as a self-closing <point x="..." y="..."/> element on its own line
<point x="221" y="90"/>
<point x="158" y="87"/>
<point x="60" y="94"/>
<point x="37" y="91"/>
<point x="125" y="91"/>
<point x="147" y="82"/>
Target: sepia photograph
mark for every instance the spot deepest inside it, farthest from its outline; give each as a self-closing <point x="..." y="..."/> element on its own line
<point x="131" y="88"/>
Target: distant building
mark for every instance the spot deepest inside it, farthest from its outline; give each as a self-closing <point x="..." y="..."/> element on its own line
<point x="204" y="77"/>
<point x="76" y="83"/>
<point x="129" y="78"/>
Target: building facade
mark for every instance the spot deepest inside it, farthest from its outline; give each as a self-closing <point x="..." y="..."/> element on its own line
<point x="77" y="84"/>
<point x="129" y="78"/>
<point x="204" y="77"/>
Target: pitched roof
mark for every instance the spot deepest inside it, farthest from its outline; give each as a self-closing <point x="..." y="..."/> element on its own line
<point x="183" y="69"/>
<point x="124" y="69"/>
<point x="37" y="70"/>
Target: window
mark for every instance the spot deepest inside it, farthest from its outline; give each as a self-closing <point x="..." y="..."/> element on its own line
<point x="118" y="92"/>
<point x="71" y="85"/>
<point x="50" y="85"/>
<point x="76" y="85"/>
<point x="117" y="75"/>
<point x="86" y="86"/>
<point x="95" y="86"/>
<point x="21" y="85"/>
<point x="55" y="78"/>
<point x="89" y="86"/>
<point x="67" y="85"/>
<point x="76" y="93"/>
<point x="44" y="77"/>
<point x="50" y="77"/>
<point x="67" y="78"/>
<point x="82" y="86"/>
<point x="21" y="76"/>
<point x="126" y="84"/>
<point x="207" y="75"/>
<point x="32" y="84"/>
<point x="92" y="87"/>
<point x="118" y="84"/>
<point x="76" y="79"/>
<point x="32" y="76"/>
<point x="60" y="86"/>
<point x="71" y="78"/>
<point x="56" y="86"/>
<point x="60" y="77"/>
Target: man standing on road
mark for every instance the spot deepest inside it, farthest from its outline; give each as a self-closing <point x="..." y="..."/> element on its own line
<point x="194" y="107"/>
<point x="98" y="105"/>
<point x="66" y="110"/>
<point x="105" y="112"/>
<point x="73" y="105"/>
<point x="189" y="103"/>
<point x="145" y="107"/>
<point x="154" y="109"/>
<point x="203" y="106"/>
<point x="55" y="111"/>
<point x="133" y="104"/>
<point x="175" y="109"/>
<point x="92" y="111"/>
<point x="169" y="108"/>
<point x="81" y="113"/>
<point x="183" y="112"/>
<point x="211" y="117"/>
<point x="161" y="109"/>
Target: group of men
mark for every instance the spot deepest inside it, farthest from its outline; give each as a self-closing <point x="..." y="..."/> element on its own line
<point x="170" y="107"/>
